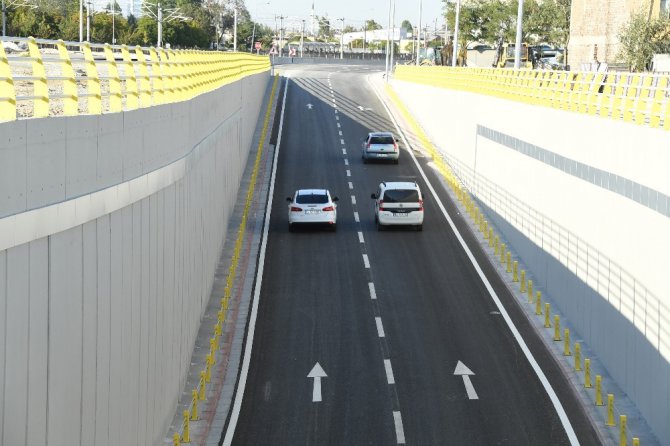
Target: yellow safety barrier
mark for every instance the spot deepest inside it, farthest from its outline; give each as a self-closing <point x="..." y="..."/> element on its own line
<point x="642" y="99"/>
<point x="186" y="433"/>
<point x="113" y="80"/>
<point x="194" y="405"/>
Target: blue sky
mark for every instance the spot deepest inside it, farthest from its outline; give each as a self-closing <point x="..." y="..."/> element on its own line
<point x="354" y="12"/>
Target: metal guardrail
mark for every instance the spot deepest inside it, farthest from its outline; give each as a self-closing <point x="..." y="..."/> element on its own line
<point x="643" y="99"/>
<point x="56" y="78"/>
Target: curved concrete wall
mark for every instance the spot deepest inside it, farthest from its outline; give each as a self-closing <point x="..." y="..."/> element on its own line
<point x="585" y="203"/>
<point x="110" y="230"/>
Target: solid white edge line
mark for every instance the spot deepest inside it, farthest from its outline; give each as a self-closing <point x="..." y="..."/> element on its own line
<point x="389" y="371"/>
<point x="366" y="261"/>
<point x="399" y="432"/>
<point x="373" y="293"/>
<point x="239" y="391"/>
<point x="380" y="327"/>
<point x="562" y="415"/>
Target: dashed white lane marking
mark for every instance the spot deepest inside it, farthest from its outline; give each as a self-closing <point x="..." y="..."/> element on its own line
<point x="341" y="141"/>
<point x="340" y="132"/>
<point x="338" y="125"/>
<point x="389" y="371"/>
<point x="399" y="432"/>
<point x="337" y="118"/>
<point x="353" y="199"/>
<point x="348" y="172"/>
<point x="336" y="110"/>
<point x="380" y="328"/>
<point x="366" y="261"/>
<point x="360" y="237"/>
<point x="356" y="218"/>
<point x="351" y="185"/>
<point x="346" y="162"/>
<point x="373" y="293"/>
<point x="344" y="151"/>
<point x="333" y="99"/>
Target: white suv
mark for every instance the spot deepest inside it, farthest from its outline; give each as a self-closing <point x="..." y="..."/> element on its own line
<point x="398" y="203"/>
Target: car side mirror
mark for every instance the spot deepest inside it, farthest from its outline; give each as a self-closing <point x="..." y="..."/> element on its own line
<point x="289" y="199"/>
<point x="335" y="199"/>
<point x="396" y="139"/>
<point x="373" y="196"/>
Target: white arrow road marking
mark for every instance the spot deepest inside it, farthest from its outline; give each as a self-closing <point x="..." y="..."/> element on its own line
<point x="310" y="106"/>
<point x="465" y="372"/>
<point x="399" y="432"/>
<point x="373" y="293"/>
<point x="317" y="373"/>
<point x="361" y="108"/>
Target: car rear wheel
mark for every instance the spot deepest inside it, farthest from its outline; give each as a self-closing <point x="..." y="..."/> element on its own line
<point x="333" y="227"/>
<point x="395" y="161"/>
<point x="380" y="227"/>
<point x="290" y="227"/>
<point x="418" y="228"/>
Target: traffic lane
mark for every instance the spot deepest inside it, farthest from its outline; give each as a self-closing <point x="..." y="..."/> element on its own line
<point x="313" y="309"/>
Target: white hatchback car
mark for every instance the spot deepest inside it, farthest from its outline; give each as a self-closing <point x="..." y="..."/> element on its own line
<point x="398" y="203"/>
<point x="312" y="206"/>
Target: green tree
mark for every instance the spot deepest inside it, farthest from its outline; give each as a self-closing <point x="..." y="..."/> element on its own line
<point x="371" y="25"/>
<point x="406" y="25"/>
<point x="643" y="37"/>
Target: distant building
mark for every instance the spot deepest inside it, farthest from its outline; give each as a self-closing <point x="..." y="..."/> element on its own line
<point x="595" y="26"/>
<point x="375" y="35"/>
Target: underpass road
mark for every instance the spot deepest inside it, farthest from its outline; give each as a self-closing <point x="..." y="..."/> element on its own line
<point x="388" y="315"/>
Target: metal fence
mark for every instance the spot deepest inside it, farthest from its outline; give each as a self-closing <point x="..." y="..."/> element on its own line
<point x="642" y="99"/>
<point x="40" y="78"/>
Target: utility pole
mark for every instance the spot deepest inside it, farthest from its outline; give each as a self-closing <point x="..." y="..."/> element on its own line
<point x="235" y="28"/>
<point x="418" y="40"/>
<point x="517" y="46"/>
<point x="88" y="20"/>
<point x="253" y="38"/>
<point x="281" y="34"/>
<point x="160" y="26"/>
<point x="365" y="36"/>
<point x="81" y="20"/>
<point x="392" y="37"/>
<point x="342" y="39"/>
<point x="4" y="19"/>
<point x="388" y="37"/>
<point x="455" y="53"/>
<point x="302" y="37"/>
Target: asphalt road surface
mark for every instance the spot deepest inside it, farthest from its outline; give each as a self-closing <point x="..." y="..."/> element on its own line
<point x="388" y="315"/>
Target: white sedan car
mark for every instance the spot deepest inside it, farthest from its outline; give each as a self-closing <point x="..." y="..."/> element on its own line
<point x="312" y="206"/>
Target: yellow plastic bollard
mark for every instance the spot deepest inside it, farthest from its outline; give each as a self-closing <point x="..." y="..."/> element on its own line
<point x="186" y="435"/>
<point x="566" y="343"/>
<point x="636" y="441"/>
<point x="599" y="390"/>
<point x="523" y="280"/>
<point x="610" y="410"/>
<point x="175" y="439"/>
<point x="557" y="327"/>
<point x="219" y="315"/>
<point x="490" y="238"/>
<point x="515" y="276"/>
<point x="587" y="373"/>
<point x="530" y="291"/>
<point x="547" y="312"/>
<point x="503" y="251"/>
<point x="212" y="348"/>
<point x="509" y="262"/>
<point x="208" y="368"/>
<point x="496" y="246"/>
<point x="623" y="435"/>
<point x="538" y="303"/>
<point x="202" y="386"/>
<point x="194" y="403"/>
<point x="578" y="357"/>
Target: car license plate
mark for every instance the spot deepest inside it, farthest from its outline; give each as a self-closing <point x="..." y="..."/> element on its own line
<point x="381" y="155"/>
<point x="400" y="214"/>
<point x="312" y="211"/>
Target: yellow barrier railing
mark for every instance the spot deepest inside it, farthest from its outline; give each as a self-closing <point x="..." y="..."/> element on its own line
<point x="40" y="78"/>
<point x="643" y="99"/>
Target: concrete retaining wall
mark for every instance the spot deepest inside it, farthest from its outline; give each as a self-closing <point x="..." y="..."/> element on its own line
<point x="585" y="203"/>
<point x="111" y="227"/>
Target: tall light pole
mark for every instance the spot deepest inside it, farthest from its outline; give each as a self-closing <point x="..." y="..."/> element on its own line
<point x="302" y="37"/>
<point x="418" y="40"/>
<point x="454" y="56"/>
<point x="517" y="46"/>
<point x="365" y="36"/>
<point x="281" y="34"/>
<point x="4" y="19"/>
<point x="388" y="38"/>
<point x="235" y="28"/>
<point x="392" y="37"/>
<point x="88" y="21"/>
<point x="81" y="20"/>
<point x="342" y="39"/>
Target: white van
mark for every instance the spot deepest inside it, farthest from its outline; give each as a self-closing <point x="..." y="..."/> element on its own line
<point x="398" y="203"/>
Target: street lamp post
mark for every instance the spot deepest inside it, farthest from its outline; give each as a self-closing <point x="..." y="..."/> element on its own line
<point x="388" y="38"/>
<point x="342" y="39"/>
<point x="4" y="19"/>
<point x="517" y="46"/>
<point x="88" y="21"/>
<point x="418" y="40"/>
<point x="302" y="37"/>
<point x="454" y="56"/>
<point x="81" y="20"/>
<point x="235" y="28"/>
<point x="392" y="37"/>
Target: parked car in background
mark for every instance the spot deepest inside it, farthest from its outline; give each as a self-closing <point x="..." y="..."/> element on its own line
<point x="380" y="146"/>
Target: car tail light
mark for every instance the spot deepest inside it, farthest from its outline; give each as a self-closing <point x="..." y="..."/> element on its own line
<point x="381" y="205"/>
<point x="296" y="209"/>
<point x="369" y="145"/>
<point x="421" y="205"/>
<point x="395" y="146"/>
<point x="329" y="209"/>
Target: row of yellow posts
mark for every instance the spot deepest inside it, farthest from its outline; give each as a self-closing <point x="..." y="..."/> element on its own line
<point x="526" y="286"/>
<point x="135" y="77"/>
<point x="501" y="251"/>
<point x="632" y="97"/>
<point x="199" y="393"/>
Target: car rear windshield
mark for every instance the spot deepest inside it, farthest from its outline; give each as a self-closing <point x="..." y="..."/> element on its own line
<point x="382" y="140"/>
<point x="401" y="196"/>
<point x="311" y="199"/>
